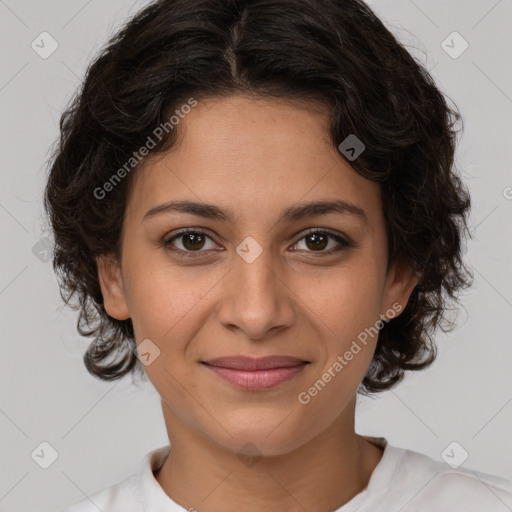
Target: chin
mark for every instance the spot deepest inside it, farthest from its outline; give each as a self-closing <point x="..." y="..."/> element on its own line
<point x="271" y="437"/>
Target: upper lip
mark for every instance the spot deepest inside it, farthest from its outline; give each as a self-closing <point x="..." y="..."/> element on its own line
<point x="255" y="363"/>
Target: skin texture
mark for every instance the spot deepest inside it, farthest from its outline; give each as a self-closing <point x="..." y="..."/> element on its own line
<point x="256" y="157"/>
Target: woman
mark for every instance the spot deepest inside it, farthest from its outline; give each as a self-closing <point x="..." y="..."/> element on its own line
<point x="255" y="204"/>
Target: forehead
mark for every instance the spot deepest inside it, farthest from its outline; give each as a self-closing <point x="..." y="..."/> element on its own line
<point x="254" y="156"/>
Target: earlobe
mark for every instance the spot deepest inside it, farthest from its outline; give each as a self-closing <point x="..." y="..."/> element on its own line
<point x="112" y="287"/>
<point x="399" y="287"/>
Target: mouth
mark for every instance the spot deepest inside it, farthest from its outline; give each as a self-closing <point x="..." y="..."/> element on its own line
<point x="253" y="374"/>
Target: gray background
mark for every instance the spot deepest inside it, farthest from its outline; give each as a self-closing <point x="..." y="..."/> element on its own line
<point x="102" y="430"/>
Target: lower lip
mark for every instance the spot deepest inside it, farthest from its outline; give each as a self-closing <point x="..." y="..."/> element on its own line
<point x="258" y="379"/>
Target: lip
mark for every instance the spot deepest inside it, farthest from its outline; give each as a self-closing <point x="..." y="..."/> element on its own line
<point x="247" y="363"/>
<point x="254" y="374"/>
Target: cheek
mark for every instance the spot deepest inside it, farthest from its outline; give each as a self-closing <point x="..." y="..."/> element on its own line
<point x="346" y="301"/>
<point x="169" y="306"/>
<point x="166" y="308"/>
<point x="163" y="299"/>
<point x="346" y="308"/>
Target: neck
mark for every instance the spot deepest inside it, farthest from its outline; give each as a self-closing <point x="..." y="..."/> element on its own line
<point x="322" y="474"/>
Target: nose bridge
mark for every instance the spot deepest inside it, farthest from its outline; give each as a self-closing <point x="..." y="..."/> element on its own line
<point x="257" y="300"/>
<point x="255" y="273"/>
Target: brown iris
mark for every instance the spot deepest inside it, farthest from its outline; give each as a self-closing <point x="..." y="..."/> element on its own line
<point x="318" y="243"/>
<point x="192" y="241"/>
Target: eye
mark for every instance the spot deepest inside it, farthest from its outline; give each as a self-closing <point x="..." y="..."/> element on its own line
<point x="191" y="240"/>
<point x="317" y="240"/>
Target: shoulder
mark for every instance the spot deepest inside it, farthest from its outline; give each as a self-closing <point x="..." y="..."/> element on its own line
<point x="121" y="496"/>
<point x="139" y="491"/>
<point x="433" y="485"/>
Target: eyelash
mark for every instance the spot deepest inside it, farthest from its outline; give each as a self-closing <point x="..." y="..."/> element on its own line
<point x="167" y="243"/>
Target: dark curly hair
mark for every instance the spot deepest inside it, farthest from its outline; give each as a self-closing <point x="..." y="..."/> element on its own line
<point x="337" y="52"/>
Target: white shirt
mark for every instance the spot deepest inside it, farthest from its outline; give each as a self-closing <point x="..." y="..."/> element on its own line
<point x="403" y="480"/>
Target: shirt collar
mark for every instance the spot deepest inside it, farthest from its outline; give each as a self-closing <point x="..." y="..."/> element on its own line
<point x="153" y="497"/>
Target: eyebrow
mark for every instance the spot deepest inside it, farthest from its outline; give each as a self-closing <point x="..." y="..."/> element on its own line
<point x="290" y="214"/>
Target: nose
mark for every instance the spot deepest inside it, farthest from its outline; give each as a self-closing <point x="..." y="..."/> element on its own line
<point x="256" y="298"/>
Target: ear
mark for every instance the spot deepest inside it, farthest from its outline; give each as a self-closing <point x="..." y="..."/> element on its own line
<point x="400" y="282"/>
<point x="112" y="287"/>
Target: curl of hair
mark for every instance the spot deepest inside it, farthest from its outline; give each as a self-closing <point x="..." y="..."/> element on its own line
<point x="336" y="52"/>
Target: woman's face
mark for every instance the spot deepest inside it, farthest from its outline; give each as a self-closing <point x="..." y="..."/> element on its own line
<point x="253" y="282"/>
